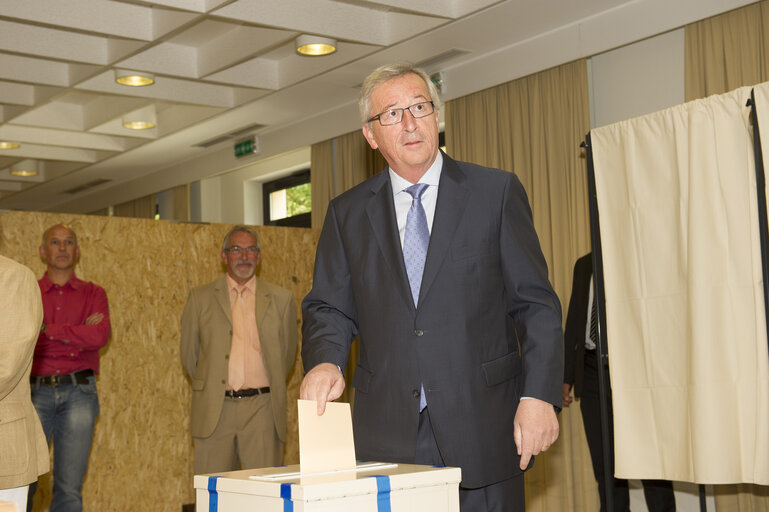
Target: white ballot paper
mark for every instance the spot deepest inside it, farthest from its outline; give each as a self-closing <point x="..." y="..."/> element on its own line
<point x="325" y="442"/>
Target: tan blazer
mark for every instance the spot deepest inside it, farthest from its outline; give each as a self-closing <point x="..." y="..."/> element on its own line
<point x="206" y="342"/>
<point x="23" y="450"/>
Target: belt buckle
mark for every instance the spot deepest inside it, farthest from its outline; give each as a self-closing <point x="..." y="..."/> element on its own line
<point x="54" y="380"/>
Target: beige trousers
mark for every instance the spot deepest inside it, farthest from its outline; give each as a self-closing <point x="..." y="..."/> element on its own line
<point x="244" y="438"/>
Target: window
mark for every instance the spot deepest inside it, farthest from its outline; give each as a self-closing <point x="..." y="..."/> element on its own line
<point x="288" y="201"/>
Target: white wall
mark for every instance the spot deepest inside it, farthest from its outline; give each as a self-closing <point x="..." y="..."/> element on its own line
<point x="236" y="197"/>
<point x="637" y="79"/>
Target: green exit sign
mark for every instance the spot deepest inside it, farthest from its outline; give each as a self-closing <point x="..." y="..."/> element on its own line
<point x="247" y="147"/>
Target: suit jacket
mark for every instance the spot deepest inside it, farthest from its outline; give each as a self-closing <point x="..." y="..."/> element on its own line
<point x="23" y="449"/>
<point x="484" y="291"/>
<point x="576" y="324"/>
<point x="206" y="343"/>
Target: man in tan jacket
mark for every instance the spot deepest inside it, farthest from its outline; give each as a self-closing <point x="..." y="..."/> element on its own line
<point x="238" y="343"/>
<point x="23" y="450"/>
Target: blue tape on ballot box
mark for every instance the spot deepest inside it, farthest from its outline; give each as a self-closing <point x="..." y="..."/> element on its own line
<point x="285" y="493"/>
<point x="383" y="493"/>
<point x="213" y="496"/>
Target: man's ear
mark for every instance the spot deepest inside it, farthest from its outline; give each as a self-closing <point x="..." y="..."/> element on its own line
<point x="369" y="134"/>
<point x="42" y="253"/>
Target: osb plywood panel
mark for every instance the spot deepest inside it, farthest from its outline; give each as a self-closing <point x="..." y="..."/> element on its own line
<point x="141" y="457"/>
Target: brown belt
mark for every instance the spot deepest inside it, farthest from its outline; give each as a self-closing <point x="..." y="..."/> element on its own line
<point x="243" y="393"/>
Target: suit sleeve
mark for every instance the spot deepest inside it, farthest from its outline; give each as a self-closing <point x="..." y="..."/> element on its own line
<point x="531" y="301"/>
<point x="572" y="328"/>
<point x="21" y="314"/>
<point x="190" y="339"/>
<point x="290" y="327"/>
<point x="328" y="311"/>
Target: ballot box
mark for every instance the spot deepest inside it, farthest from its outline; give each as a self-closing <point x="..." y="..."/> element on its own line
<point x="370" y="487"/>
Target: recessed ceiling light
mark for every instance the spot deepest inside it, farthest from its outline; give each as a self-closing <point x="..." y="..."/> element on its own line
<point x="133" y="78"/>
<point x="4" y="144"/>
<point x="315" y="46"/>
<point x="138" y="125"/>
<point x="23" y="172"/>
<point x="142" y="119"/>
<point x="25" y="168"/>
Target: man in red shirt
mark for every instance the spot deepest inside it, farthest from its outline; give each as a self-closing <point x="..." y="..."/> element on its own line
<point x="66" y="361"/>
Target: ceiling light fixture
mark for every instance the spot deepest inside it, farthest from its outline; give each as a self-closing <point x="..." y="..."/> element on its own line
<point x="133" y="78"/>
<point x="4" y="144"/>
<point x="315" y="46"/>
<point x="138" y="125"/>
<point x="142" y="119"/>
<point x="25" y="168"/>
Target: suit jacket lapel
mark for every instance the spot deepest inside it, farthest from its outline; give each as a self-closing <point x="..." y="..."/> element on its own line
<point x="222" y="295"/>
<point x="261" y="302"/>
<point x="449" y="208"/>
<point x="381" y="214"/>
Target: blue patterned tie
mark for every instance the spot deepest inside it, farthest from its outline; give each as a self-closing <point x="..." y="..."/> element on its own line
<point x="416" y="239"/>
<point x="415" y="242"/>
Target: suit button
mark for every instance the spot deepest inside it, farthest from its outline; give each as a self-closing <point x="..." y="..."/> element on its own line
<point x="419" y="332"/>
<point x="415" y="393"/>
<point x="224" y="381"/>
<point x="227" y="356"/>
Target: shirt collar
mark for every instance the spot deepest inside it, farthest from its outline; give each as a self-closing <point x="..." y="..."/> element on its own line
<point x="431" y="177"/>
<point x="46" y="283"/>
<point x="250" y="284"/>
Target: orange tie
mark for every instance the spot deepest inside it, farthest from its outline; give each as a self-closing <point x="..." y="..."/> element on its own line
<point x="236" y="368"/>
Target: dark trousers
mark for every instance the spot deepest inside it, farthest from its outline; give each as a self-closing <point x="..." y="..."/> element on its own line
<point x="504" y="496"/>
<point x="658" y="493"/>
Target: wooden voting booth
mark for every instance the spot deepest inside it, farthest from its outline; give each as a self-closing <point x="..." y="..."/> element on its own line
<point x="141" y="457"/>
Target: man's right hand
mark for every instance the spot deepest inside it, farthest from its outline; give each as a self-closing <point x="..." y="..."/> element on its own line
<point x="567" y="398"/>
<point x="324" y="383"/>
<point x="94" y="319"/>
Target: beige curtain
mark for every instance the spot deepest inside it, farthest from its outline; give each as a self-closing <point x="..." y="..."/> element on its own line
<point x="722" y="53"/>
<point x="141" y="208"/>
<point x="727" y="51"/>
<point x="686" y="325"/>
<point x="533" y="126"/>
<point x="337" y="165"/>
<point x="322" y="180"/>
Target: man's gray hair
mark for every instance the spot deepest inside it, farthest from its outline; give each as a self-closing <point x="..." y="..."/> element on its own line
<point x="387" y="72"/>
<point x="241" y="229"/>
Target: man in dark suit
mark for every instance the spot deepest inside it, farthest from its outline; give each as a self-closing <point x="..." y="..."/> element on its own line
<point x="581" y="373"/>
<point x="445" y="283"/>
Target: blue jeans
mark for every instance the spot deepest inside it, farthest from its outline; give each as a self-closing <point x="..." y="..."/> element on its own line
<point x="68" y="413"/>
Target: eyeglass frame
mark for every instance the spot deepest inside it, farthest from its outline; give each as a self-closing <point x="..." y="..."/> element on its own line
<point x="402" y="110"/>
<point x="236" y="249"/>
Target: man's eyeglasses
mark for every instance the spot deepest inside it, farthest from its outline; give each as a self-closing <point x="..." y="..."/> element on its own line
<point x="238" y="250"/>
<point x="395" y="115"/>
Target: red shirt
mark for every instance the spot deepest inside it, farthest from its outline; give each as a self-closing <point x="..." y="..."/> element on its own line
<point x="68" y="345"/>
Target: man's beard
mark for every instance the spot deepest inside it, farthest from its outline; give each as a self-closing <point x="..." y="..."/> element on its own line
<point x="238" y="270"/>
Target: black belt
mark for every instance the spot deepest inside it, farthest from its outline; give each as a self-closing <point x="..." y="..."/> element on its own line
<point x="243" y="393"/>
<point x="79" y="377"/>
